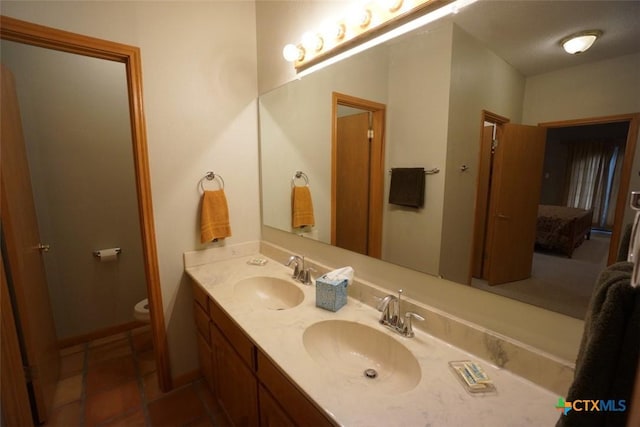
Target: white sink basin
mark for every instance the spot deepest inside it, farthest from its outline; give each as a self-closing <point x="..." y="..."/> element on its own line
<point x="351" y="350"/>
<point x="269" y="292"/>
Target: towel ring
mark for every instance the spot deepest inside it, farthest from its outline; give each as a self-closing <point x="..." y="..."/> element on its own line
<point x="210" y="176"/>
<point x="299" y="175"/>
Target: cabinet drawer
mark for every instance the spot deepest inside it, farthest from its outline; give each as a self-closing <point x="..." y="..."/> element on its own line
<point x="201" y="297"/>
<point x="299" y="408"/>
<point x="239" y="341"/>
<point x="202" y="322"/>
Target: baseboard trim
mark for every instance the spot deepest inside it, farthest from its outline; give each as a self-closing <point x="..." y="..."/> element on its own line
<point x="100" y="333"/>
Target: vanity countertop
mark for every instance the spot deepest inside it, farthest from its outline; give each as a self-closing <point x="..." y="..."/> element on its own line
<point x="438" y="399"/>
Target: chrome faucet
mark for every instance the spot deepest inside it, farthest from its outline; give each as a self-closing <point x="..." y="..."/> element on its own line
<point x="392" y="317"/>
<point x="298" y="264"/>
<point x="300" y="272"/>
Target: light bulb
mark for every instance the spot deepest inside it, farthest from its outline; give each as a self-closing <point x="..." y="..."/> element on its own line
<point x="391" y="5"/>
<point x="312" y="42"/>
<point x="292" y="53"/>
<point x="360" y="16"/>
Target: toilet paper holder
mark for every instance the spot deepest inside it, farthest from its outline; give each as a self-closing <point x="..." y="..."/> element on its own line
<point x="107" y="252"/>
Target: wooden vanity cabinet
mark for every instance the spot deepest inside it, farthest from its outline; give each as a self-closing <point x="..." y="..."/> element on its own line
<point x="236" y="385"/>
<point x="292" y="401"/>
<point x="249" y="387"/>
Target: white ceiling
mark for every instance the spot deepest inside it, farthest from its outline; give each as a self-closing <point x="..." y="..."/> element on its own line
<point x="527" y="33"/>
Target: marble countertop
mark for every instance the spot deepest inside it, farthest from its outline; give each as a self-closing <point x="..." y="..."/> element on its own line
<point x="438" y="399"/>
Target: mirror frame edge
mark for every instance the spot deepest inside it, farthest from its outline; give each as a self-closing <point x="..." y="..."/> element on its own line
<point x="51" y="38"/>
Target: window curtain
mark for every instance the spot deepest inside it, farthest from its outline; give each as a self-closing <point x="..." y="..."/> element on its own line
<point x="594" y="169"/>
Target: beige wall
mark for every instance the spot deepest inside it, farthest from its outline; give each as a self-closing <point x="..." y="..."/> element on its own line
<point x="419" y="78"/>
<point x="480" y="80"/>
<point x="605" y="88"/>
<point x="78" y="140"/>
<point x="200" y="89"/>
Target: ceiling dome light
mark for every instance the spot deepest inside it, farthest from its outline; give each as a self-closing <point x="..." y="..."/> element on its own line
<point x="580" y="42"/>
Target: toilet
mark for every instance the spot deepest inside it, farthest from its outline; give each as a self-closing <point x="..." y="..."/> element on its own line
<point x="141" y="311"/>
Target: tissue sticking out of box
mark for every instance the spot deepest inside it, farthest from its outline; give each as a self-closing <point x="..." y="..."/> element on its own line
<point x="331" y="288"/>
<point x="341" y="274"/>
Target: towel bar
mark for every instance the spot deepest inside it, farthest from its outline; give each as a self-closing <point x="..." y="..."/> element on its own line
<point x="428" y="171"/>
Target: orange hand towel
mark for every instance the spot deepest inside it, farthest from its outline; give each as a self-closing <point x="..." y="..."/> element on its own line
<point x="214" y="221"/>
<point x="301" y="207"/>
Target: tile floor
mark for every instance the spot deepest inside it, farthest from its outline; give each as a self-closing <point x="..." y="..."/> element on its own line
<point x="112" y="382"/>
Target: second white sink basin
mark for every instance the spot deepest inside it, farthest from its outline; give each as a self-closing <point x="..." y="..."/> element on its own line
<point x="268" y="292"/>
<point x="363" y="355"/>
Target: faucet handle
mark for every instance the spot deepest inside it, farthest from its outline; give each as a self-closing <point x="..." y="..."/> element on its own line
<point x="305" y="275"/>
<point x="407" y="327"/>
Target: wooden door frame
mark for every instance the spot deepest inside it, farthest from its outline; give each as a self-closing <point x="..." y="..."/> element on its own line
<point x="482" y="202"/>
<point x="625" y="177"/>
<point x="37" y="35"/>
<point x="376" y="174"/>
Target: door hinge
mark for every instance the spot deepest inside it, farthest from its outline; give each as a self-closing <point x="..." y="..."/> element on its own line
<point x="494" y="145"/>
<point x="370" y="134"/>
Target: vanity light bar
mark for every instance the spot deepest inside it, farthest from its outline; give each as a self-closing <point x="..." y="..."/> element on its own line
<point x="365" y="26"/>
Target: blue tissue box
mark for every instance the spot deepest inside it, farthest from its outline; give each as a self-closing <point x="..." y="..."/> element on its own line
<point x="331" y="294"/>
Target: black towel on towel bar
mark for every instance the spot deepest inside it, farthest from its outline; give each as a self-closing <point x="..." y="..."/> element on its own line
<point x="407" y="187"/>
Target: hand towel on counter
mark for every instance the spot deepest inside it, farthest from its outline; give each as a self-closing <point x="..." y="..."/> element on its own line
<point x="301" y="207"/>
<point x="407" y="187"/>
<point x="607" y="361"/>
<point x="214" y="220"/>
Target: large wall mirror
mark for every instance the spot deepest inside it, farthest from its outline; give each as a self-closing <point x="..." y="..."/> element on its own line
<point x="440" y="86"/>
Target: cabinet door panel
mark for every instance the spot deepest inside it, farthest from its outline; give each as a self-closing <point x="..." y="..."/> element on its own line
<point x="206" y="362"/>
<point x="233" y="333"/>
<point x="271" y="415"/>
<point x="301" y="410"/>
<point x="236" y="386"/>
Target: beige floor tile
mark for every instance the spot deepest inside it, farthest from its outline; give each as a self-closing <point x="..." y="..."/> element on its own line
<point x="177" y="408"/>
<point x="66" y="416"/>
<point x="110" y="350"/>
<point x="135" y="419"/>
<point x="68" y="390"/>
<point x="151" y="388"/>
<point x="146" y="362"/>
<point x="71" y="365"/>
<point x="112" y="404"/>
<point x="109" y="373"/>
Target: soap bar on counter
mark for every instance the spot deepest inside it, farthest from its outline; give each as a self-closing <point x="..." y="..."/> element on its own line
<point x="472" y="376"/>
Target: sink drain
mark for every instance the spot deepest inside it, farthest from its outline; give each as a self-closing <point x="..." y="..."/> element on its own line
<point x="370" y="373"/>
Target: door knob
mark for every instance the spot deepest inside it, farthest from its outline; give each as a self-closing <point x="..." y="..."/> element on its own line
<point x="501" y="216"/>
<point x="43" y="248"/>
